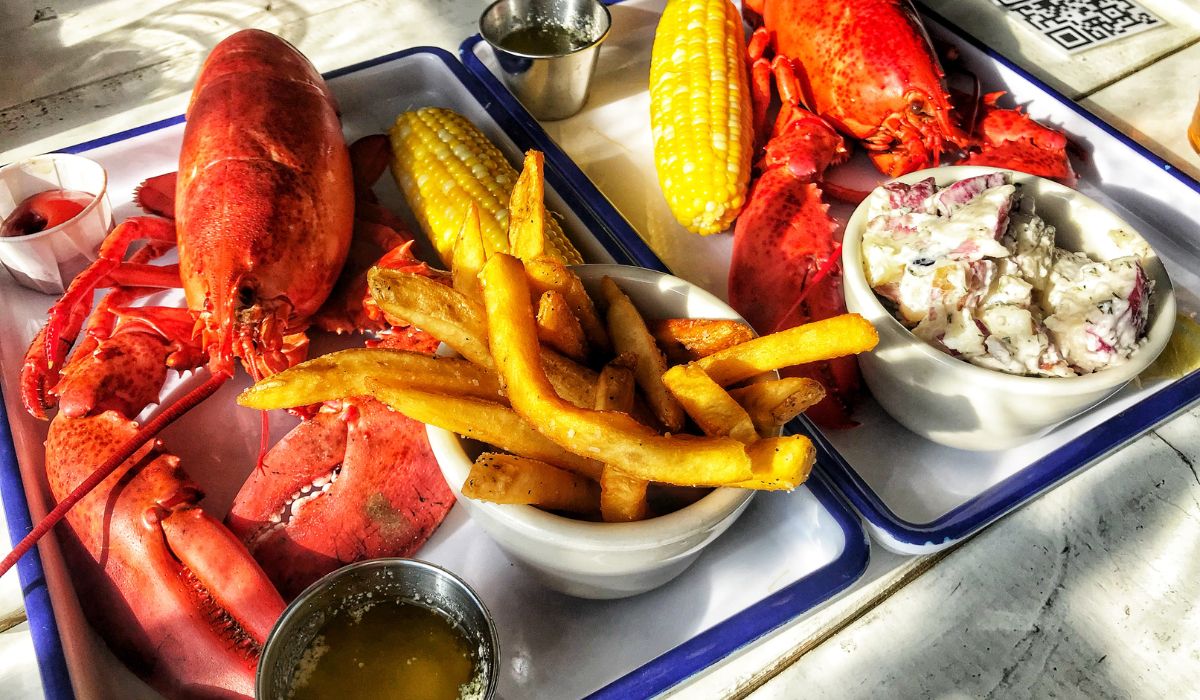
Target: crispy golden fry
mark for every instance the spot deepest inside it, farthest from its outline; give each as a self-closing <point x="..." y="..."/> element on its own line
<point x="444" y="313"/>
<point x="548" y="273"/>
<point x="469" y="256"/>
<point x="628" y="333"/>
<point x="685" y="340"/>
<point x="713" y="409"/>
<point x="342" y="374"/>
<point x="780" y="463"/>
<point x="527" y="212"/>
<point x="821" y="340"/>
<point x="486" y="421"/>
<point x="616" y="389"/>
<point x="571" y="380"/>
<point x="504" y="478"/>
<point x="558" y="327"/>
<point x="614" y="437"/>
<point x="622" y="497"/>
<point x="771" y="404"/>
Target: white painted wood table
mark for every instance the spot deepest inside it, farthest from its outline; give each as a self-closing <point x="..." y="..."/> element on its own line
<point x="1091" y="591"/>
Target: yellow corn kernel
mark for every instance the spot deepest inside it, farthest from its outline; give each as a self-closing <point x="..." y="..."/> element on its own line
<point x="700" y="114"/>
<point x="441" y="161"/>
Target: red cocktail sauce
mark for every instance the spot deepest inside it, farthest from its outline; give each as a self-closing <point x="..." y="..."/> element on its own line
<point x="45" y="210"/>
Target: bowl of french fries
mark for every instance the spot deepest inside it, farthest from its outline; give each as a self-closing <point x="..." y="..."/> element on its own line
<point x="602" y="423"/>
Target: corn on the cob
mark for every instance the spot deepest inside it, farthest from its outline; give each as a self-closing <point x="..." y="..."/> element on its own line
<point x="700" y="112"/>
<point x="441" y="161"/>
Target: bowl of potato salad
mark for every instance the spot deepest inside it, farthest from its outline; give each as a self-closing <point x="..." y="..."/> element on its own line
<point x="1005" y="303"/>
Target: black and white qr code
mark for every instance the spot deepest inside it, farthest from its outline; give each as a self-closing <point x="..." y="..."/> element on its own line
<point x="1076" y="25"/>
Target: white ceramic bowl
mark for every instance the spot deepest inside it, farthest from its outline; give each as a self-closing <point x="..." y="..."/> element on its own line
<point x="48" y="260"/>
<point x="606" y="560"/>
<point x="955" y="403"/>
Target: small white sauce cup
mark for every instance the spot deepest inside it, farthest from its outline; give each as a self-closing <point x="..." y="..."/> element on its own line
<point x="48" y="260"/>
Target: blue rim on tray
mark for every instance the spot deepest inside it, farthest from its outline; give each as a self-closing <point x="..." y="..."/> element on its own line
<point x="623" y="243"/>
<point x="1030" y="481"/>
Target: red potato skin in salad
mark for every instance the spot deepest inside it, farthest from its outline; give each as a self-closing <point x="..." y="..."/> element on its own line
<point x="972" y="270"/>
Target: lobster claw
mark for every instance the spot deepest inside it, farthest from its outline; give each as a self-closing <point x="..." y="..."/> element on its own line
<point x="160" y="574"/>
<point x="1008" y="138"/>
<point x="356" y="481"/>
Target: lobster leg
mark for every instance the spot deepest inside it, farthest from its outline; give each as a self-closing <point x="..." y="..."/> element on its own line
<point x="785" y="240"/>
<point x="49" y="349"/>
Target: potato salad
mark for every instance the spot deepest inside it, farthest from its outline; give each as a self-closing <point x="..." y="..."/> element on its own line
<point x="973" y="270"/>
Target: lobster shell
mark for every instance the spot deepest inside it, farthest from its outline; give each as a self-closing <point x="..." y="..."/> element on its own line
<point x="265" y="209"/>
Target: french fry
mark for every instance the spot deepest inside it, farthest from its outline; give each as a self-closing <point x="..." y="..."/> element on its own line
<point x="504" y="478"/>
<point x="469" y="256"/>
<point x="622" y="497"/>
<point x="771" y="404"/>
<point x="684" y="340"/>
<point x="780" y="463"/>
<point x="558" y="327"/>
<point x="548" y="273"/>
<point x="821" y="340"/>
<point x="628" y="333"/>
<point x="614" y="437"/>
<point x="571" y="380"/>
<point x="527" y="212"/>
<point x="616" y="388"/>
<point x="346" y="373"/>
<point x="444" y="313"/>
<point x="457" y="321"/>
<point x="713" y="409"/>
<point x="489" y="422"/>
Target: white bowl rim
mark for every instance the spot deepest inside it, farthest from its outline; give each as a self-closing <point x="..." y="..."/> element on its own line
<point x="87" y="209"/>
<point x="1157" y="335"/>
<point x="534" y="522"/>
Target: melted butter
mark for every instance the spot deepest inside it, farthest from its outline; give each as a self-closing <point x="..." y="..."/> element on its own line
<point x="389" y="649"/>
<point x="543" y="40"/>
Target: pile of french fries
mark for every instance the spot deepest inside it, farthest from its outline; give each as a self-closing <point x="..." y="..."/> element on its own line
<point x="583" y="402"/>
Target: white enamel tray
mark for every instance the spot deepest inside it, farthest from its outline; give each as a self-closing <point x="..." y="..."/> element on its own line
<point x="786" y="554"/>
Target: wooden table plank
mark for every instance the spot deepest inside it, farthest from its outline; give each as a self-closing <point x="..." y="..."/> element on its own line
<point x="1155" y="105"/>
<point x="1088" y="592"/>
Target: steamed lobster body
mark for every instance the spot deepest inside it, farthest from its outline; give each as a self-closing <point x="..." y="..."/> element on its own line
<point x="866" y="70"/>
<point x="265" y="204"/>
<point x="264" y="201"/>
<point x="867" y="66"/>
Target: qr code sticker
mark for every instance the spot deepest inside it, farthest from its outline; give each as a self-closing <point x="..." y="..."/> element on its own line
<point x="1076" y="25"/>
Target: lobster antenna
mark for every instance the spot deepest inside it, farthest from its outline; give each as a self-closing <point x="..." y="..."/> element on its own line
<point x="142" y="436"/>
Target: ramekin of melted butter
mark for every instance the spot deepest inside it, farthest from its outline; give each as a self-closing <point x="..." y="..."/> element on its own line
<point x="387" y="649"/>
<point x="383" y="628"/>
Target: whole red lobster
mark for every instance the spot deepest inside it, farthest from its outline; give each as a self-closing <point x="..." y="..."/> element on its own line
<point x="264" y="207"/>
<point x="864" y="69"/>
